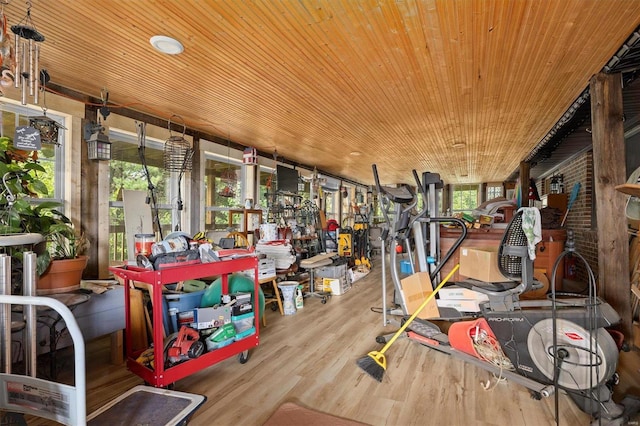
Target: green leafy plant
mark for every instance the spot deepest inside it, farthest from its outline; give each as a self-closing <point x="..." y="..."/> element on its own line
<point x="23" y="182"/>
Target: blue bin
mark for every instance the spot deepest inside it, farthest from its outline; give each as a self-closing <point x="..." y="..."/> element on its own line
<point x="174" y="303"/>
<point x="405" y="267"/>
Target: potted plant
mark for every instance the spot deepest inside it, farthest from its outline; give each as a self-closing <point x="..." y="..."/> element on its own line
<point x="22" y="181"/>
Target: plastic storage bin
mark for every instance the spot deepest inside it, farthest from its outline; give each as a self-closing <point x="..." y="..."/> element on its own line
<point x="242" y="322"/>
<point x="176" y="303"/>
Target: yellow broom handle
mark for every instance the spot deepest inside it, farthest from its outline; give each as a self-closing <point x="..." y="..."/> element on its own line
<point x="417" y="312"/>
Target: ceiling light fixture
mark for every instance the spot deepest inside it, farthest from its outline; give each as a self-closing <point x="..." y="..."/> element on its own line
<point x="168" y="45"/>
<point x="355" y="153"/>
<point x="459" y="145"/>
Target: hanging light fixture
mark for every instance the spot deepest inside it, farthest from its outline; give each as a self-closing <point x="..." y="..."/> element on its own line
<point x="27" y="41"/>
<point x="98" y="144"/>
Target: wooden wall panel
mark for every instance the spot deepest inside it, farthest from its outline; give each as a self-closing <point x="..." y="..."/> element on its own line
<point x="398" y="81"/>
<point x="608" y="156"/>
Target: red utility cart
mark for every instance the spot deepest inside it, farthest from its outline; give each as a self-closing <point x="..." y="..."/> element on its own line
<point x="161" y="376"/>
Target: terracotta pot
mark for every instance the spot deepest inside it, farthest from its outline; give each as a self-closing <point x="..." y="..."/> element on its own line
<point x="62" y="276"/>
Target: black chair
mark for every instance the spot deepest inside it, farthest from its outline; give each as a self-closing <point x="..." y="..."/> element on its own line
<point x="514" y="263"/>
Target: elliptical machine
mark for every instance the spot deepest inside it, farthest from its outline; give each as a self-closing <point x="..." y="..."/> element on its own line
<point x="560" y="343"/>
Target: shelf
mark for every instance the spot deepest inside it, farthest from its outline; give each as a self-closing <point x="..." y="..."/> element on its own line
<point x="163" y="376"/>
<point x="632" y="189"/>
<point x="246" y="214"/>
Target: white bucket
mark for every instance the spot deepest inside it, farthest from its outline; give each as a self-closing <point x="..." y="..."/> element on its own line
<point x="268" y="232"/>
<point x="288" y="289"/>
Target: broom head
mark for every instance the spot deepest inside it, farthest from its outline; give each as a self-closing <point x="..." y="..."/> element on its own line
<point x="374" y="364"/>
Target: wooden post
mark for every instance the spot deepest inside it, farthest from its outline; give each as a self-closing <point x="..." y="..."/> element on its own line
<point x="609" y="171"/>
<point x="525" y="169"/>
<point x="194" y="198"/>
<point x="90" y="199"/>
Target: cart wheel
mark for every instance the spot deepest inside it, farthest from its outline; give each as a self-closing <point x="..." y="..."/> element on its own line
<point x="274" y="307"/>
<point x="324" y="300"/>
<point x="243" y="357"/>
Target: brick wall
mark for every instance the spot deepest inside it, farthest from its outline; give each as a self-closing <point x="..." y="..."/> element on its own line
<point x="580" y="218"/>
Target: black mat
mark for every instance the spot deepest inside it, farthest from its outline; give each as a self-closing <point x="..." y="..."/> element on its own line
<point x="146" y="407"/>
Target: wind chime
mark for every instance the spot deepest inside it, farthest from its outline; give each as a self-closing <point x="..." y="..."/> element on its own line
<point x="26" y="47"/>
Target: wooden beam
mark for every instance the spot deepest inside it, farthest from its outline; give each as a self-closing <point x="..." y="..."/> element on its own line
<point x="609" y="171"/>
<point x="196" y="209"/>
<point x="89" y="201"/>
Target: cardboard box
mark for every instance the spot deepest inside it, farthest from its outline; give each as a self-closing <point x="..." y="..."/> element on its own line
<point x="481" y="263"/>
<point x="455" y="292"/>
<point x="415" y="289"/>
<point x="337" y="286"/>
<point x="210" y="317"/>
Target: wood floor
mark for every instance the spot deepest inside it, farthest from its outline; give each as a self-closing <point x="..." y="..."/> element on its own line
<point x="310" y="358"/>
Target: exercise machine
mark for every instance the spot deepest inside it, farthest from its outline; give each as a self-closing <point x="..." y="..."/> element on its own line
<point x="402" y="221"/>
<point x="559" y="343"/>
<point x="544" y="345"/>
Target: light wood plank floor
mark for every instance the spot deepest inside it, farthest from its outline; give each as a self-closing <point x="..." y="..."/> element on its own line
<point x="310" y="358"/>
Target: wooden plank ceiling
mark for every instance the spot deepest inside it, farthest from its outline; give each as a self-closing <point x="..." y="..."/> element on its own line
<point x="342" y="84"/>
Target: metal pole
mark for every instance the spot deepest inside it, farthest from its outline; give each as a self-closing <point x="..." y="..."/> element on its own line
<point x="29" y="289"/>
<point x="5" y="313"/>
<point x="384" y="285"/>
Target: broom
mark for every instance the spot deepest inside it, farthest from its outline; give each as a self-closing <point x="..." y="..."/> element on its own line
<point x="374" y="363"/>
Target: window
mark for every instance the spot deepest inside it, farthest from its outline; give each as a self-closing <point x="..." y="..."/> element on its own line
<point x="494" y="191"/>
<point x="347" y="194"/>
<point x="126" y="172"/>
<point x="51" y="157"/>
<point x="266" y="185"/>
<point x="223" y="190"/>
<point x="330" y="204"/>
<point x="465" y="198"/>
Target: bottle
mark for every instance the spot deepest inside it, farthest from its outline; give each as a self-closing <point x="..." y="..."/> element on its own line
<point x="299" y="298"/>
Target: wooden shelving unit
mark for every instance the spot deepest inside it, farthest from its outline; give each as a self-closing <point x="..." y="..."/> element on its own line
<point x="247" y="216"/>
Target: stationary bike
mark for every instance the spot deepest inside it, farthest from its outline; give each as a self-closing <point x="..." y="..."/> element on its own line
<point x="544" y="345"/>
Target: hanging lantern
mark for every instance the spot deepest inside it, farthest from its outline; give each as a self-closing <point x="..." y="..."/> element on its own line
<point x="98" y="144"/>
<point x="555" y="185"/>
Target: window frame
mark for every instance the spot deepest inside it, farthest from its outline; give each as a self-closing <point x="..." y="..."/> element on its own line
<point x="492" y="186"/>
<point x="466" y="187"/>
<point x="226" y="159"/>
<point x="27" y="111"/>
